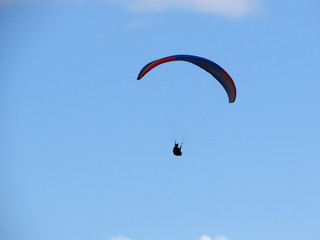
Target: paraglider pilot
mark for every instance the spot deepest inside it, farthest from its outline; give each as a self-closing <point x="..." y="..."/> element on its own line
<point x="177" y="149"/>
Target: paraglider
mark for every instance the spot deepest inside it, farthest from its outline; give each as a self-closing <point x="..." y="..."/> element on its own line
<point x="212" y="68"/>
<point x="176" y="149"/>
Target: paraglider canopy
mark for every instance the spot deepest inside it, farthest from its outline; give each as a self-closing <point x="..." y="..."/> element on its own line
<point x="214" y="69"/>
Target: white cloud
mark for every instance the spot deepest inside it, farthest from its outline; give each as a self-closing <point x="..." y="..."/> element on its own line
<point x="120" y="238"/>
<point x="204" y="237"/>
<point x="220" y="237"/>
<point x="232" y="8"/>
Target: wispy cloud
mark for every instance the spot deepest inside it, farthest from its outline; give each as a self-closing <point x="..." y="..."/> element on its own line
<point x="100" y="35"/>
<point x="204" y="237"/>
<point x="120" y="238"/>
<point x="231" y="8"/>
<point x="220" y="237"/>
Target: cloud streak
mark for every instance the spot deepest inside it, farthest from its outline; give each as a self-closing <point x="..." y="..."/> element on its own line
<point x="230" y="8"/>
<point x="220" y="237"/>
<point x="120" y="238"/>
<point x="204" y="237"/>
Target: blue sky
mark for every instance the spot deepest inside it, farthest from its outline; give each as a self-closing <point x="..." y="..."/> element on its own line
<point x="86" y="150"/>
